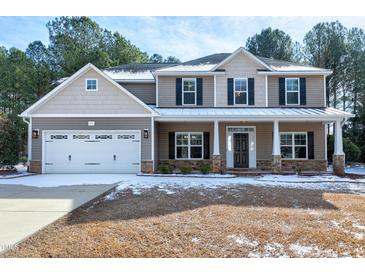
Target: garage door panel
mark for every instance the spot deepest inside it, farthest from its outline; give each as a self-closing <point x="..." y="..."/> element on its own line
<point x="95" y="152"/>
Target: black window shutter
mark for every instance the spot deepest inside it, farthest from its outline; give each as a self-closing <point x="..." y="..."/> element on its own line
<point x="230" y="91"/>
<point x="178" y="91"/>
<point x="310" y="145"/>
<point x="199" y="91"/>
<point x="251" y="91"/>
<point x="281" y="91"/>
<point x="171" y="145"/>
<point x="206" y="145"/>
<point x="303" y="92"/>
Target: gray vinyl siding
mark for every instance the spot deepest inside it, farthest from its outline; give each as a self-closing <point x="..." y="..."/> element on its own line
<point x="314" y="86"/>
<point x="82" y="124"/>
<point x="167" y="91"/>
<point x="108" y="99"/>
<point x="241" y="67"/>
<point x="145" y="92"/>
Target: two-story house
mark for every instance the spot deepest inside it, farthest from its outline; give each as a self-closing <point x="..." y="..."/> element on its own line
<point x="229" y="110"/>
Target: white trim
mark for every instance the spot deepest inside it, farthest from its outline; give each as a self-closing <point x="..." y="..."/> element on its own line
<point x="325" y="141"/>
<point x="215" y="90"/>
<point x="189" y="73"/>
<point x="244" y="51"/>
<point x="96" y="84"/>
<point x="156" y="90"/>
<point x="47" y="131"/>
<point x="183" y="91"/>
<point x="238" y="118"/>
<point x="324" y="91"/>
<point x="137" y="81"/>
<point x="236" y="91"/>
<point x="153" y="143"/>
<point x="30" y="133"/>
<point x="266" y="92"/>
<point x="286" y="91"/>
<point x="216" y="150"/>
<point x="189" y="145"/>
<point x="75" y="76"/>
<point x="297" y="72"/>
<point x="293" y="133"/>
<point x="251" y="146"/>
<point x="338" y="149"/>
<point x="276" y="139"/>
<point x="88" y="115"/>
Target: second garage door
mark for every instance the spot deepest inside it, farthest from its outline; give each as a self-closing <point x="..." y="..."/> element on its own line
<point x="92" y="152"/>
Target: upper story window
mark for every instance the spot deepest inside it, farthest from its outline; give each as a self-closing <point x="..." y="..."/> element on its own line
<point x="292" y="91"/>
<point x="293" y="145"/>
<point x="240" y="91"/>
<point x="189" y="91"/>
<point x="91" y="85"/>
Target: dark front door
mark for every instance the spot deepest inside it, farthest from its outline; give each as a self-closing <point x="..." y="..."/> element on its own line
<point x="240" y="156"/>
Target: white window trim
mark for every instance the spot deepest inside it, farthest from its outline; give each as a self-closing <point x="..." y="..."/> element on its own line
<point x="293" y="145"/>
<point x="286" y="91"/>
<point x="234" y="91"/>
<point x="91" y="79"/>
<point x="189" y="145"/>
<point x="183" y="91"/>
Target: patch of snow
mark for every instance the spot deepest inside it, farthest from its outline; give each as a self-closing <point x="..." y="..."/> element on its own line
<point x="358" y="169"/>
<point x="358" y="236"/>
<point x="275" y="249"/>
<point x="356" y="225"/>
<point x="243" y="240"/>
<point x="129" y="75"/>
<point x="254" y="254"/>
<point x="193" y="175"/>
<point x="195" y="240"/>
<point x="304" y="250"/>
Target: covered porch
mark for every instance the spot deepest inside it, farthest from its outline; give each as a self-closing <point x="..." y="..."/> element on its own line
<point x="288" y="141"/>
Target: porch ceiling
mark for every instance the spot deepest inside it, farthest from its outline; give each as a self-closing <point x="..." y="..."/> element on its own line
<point x="251" y="114"/>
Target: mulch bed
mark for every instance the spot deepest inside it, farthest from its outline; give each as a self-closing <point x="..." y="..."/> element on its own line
<point x="239" y="221"/>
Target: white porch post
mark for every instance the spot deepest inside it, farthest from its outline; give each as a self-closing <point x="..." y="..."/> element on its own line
<point x="338" y="155"/>
<point x="216" y="138"/>
<point x="276" y="139"/>
<point x="276" y="155"/>
<point x="216" y="158"/>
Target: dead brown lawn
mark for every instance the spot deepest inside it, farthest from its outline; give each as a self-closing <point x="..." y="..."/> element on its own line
<point x="240" y="221"/>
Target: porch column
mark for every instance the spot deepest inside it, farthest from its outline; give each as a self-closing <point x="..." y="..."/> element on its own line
<point x="217" y="158"/>
<point x="339" y="155"/>
<point x="276" y="155"/>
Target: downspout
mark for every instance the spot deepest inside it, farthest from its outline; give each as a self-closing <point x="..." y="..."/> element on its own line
<point x="29" y="123"/>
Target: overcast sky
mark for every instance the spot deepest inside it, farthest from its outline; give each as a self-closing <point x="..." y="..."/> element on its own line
<point x="184" y="37"/>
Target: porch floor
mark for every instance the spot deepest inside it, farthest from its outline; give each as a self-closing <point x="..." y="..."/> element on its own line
<point x="258" y="172"/>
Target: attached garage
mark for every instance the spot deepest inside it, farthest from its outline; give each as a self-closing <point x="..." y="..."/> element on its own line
<point x="91" y="151"/>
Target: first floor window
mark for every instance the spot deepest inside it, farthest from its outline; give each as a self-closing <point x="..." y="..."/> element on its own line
<point x="91" y="84"/>
<point x="293" y="145"/>
<point x="189" y="91"/>
<point x="189" y="145"/>
<point x="240" y="91"/>
<point x="292" y="91"/>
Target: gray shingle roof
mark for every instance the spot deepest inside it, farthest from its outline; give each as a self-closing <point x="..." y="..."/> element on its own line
<point x="140" y="67"/>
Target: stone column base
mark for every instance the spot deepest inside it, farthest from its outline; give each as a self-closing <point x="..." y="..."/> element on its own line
<point x="339" y="165"/>
<point x="147" y="166"/>
<point x="276" y="164"/>
<point x="35" y="166"/>
<point x="217" y="163"/>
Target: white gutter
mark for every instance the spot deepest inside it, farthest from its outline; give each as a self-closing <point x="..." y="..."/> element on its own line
<point x="137" y="81"/>
<point x="298" y="72"/>
<point x="188" y="73"/>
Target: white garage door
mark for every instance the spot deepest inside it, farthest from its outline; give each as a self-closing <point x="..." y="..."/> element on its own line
<point x="92" y="152"/>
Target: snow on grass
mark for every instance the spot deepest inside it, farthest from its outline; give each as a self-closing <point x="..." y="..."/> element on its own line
<point x="243" y="240"/>
<point x="358" y="169"/>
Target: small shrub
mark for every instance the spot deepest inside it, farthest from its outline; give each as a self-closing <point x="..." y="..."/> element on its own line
<point x="23" y="160"/>
<point x="186" y="170"/>
<point x="205" y="168"/>
<point x="351" y="150"/>
<point x="8" y="143"/>
<point x="165" y="169"/>
<point x="298" y="170"/>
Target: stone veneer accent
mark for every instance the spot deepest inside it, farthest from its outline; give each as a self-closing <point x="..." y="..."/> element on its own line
<point x="339" y="165"/>
<point x="303" y="165"/>
<point x="177" y="164"/>
<point x="263" y="164"/>
<point x="147" y="166"/>
<point x="217" y="163"/>
<point x="276" y="164"/>
<point x="35" y="166"/>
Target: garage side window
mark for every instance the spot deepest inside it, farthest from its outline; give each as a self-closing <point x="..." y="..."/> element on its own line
<point x="189" y="145"/>
<point x="91" y="84"/>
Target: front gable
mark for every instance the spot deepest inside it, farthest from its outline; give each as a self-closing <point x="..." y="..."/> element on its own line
<point x="71" y="98"/>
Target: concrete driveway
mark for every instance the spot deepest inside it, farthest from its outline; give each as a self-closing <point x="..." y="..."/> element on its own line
<point x="28" y="204"/>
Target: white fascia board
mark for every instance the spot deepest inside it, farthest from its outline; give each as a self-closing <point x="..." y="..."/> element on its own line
<point x="143" y="81"/>
<point x="90" y="115"/>
<point x="55" y="91"/>
<point x="295" y="72"/>
<point x="244" y="51"/>
<point x="189" y="73"/>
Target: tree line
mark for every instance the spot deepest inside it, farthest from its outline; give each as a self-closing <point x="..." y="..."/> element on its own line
<point x="27" y="75"/>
